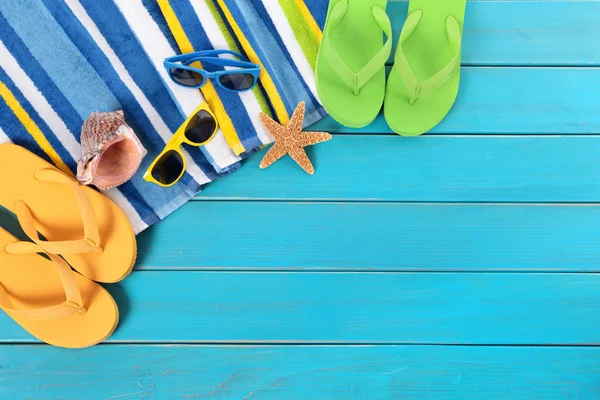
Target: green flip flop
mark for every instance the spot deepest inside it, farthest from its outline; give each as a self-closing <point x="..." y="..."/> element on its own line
<point x="350" y="70"/>
<point x="423" y="83"/>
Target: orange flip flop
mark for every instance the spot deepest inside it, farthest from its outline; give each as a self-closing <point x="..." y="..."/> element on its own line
<point x="81" y="224"/>
<point x="50" y="300"/>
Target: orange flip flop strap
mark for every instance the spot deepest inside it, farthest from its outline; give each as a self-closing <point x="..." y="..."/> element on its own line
<point x="73" y="302"/>
<point x="91" y="239"/>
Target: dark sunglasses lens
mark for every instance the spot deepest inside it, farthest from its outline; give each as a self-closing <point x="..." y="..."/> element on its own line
<point x="186" y="77"/>
<point x="237" y="82"/>
<point x="168" y="168"/>
<point x="201" y="128"/>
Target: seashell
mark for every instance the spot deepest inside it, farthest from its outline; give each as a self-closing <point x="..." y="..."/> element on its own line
<point x="111" y="152"/>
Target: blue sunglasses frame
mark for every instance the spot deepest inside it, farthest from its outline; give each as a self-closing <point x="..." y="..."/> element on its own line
<point x="212" y="57"/>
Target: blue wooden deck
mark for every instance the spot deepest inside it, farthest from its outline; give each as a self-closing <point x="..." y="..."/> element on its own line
<point x="460" y="265"/>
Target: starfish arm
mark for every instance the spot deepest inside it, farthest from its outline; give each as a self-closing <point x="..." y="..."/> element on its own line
<point x="274" y="154"/>
<point x="310" y="138"/>
<point x="299" y="155"/>
<point x="296" y="122"/>
<point x="272" y="127"/>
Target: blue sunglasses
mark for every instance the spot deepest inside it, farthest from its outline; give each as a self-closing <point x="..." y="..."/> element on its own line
<point x="233" y="80"/>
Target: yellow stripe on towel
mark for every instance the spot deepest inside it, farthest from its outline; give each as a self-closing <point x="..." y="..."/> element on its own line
<point x="32" y="128"/>
<point x="266" y="79"/>
<point x="208" y="89"/>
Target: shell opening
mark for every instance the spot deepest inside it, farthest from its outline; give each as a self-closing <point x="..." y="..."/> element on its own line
<point x="116" y="161"/>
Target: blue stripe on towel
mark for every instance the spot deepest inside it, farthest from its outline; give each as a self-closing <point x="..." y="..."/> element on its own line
<point x="318" y="9"/>
<point x="231" y="101"/>
<point x="121" y="39"/>
<point x="50" y="136"/>
<point x="32" y="21"/>
<point x="39" y="76"/>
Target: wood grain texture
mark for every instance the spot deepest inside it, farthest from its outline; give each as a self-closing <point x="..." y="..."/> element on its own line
<point x="430" y="169"/>
<point x="300" y="372"/>
<point x="513" y="101"/>
<point x="398" y="308"/>
<point x="525" y="129"/>
<point x="375" y="236"/>
<point x="556" y="33"/>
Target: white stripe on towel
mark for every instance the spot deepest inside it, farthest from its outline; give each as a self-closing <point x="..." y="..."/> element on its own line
<point x="4" y="137"/>
<point x="134" y="218"/>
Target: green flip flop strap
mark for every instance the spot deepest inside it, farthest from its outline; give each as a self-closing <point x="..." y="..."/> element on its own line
<point x="422" y="89"/>
<point x="356" y="80"/>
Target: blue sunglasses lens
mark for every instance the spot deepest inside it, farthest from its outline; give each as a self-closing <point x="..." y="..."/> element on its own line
<point x="186" y="77"/>
<point x="238" y="82"/>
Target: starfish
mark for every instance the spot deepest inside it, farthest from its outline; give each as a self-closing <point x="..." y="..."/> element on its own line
<point x="291" y="139"/>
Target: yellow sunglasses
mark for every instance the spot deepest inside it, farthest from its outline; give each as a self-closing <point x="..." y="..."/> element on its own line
<point x="199" y="129"/>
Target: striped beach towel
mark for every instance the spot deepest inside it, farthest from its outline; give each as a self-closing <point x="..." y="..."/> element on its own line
<point x="61" y="60"/>
<point x="282" y="36"/>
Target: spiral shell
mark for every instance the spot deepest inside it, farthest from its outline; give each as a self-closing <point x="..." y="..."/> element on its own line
<point x="111" y="152"/>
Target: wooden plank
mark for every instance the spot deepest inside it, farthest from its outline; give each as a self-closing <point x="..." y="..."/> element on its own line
<point x="397" y="308"/>
<point x="431" y="168"/>
<point x="301" y="372"/>
<point x="514" y="101"/>
<point x="524" y="32"/>
<point x="375" y="236"/>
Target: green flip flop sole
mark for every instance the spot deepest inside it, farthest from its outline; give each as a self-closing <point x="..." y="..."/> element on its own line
<point x="423" y="84"/>
<point x="350" y="69"/>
